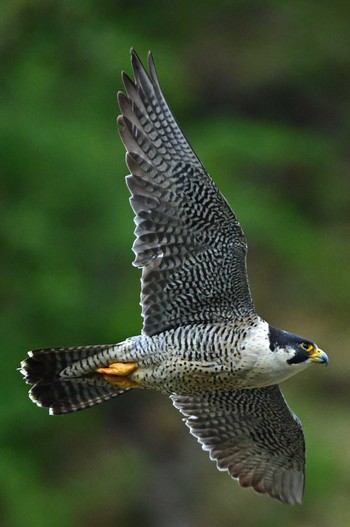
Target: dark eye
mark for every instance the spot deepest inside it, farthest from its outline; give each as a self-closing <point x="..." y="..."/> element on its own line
<point x="306" y="346"/>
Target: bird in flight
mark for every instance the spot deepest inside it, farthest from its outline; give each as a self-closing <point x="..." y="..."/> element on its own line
<point x="202" y="342"/>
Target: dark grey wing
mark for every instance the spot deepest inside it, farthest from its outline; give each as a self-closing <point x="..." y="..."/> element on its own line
<point x="188" y="242"/>
<point x="253" y="435"/>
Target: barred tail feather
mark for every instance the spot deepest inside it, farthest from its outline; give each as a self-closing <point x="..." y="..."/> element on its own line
<point x="81" y="388"/>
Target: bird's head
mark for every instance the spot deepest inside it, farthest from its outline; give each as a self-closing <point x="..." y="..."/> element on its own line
<point x="298" y="350"/>
<point x="306" y="351"/>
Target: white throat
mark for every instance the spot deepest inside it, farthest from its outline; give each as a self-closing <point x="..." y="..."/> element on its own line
<point x="264" y="366"/>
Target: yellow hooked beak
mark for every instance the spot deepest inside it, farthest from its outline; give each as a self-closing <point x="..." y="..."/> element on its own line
<point x="319" y="356"/>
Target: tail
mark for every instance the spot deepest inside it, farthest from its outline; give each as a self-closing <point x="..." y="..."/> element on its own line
<point x="65" y="379"/>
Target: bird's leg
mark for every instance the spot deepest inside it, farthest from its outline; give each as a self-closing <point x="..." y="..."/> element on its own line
<point x="121" y="369"/>
<point x="118" y="374"/>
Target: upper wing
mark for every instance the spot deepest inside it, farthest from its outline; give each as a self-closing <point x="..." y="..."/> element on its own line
<point x="188" y="241"/>
<point x="253" y="435"/>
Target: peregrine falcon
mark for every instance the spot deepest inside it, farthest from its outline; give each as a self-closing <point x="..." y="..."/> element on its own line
<point x="202" y="342"/>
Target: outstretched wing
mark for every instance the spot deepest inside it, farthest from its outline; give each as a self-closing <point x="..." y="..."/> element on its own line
<point x="190" y="246"/>
<point x="253" y="435"/>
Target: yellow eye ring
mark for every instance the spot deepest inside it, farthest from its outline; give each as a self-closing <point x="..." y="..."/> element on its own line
<point x="307" y="346"/>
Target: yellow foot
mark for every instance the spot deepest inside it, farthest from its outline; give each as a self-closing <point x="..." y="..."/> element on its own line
<point x="121" y="369"/>
<point x="118" y="373"/>
<point x="121" y="382"/>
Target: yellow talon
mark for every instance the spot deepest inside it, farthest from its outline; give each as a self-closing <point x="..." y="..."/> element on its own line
<point x="121" y="369"/>
<point x="118" y="372"/>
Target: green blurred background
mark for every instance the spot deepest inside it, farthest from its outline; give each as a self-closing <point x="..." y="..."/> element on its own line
<point x="262" y="91"/>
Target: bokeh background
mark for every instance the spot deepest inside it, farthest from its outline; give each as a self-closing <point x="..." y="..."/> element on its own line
<point x="262" y="91"/>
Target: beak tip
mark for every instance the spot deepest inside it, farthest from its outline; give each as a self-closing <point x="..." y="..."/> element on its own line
<point x="323" y="358"/>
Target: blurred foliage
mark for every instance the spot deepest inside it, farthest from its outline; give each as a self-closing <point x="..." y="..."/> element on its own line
<point x="262" y="90"/>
